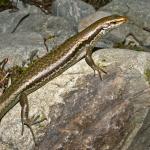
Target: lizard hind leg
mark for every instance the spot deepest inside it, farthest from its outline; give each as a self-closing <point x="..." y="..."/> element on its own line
<point x="25" y="114"/>
<point x="89" y="60"/>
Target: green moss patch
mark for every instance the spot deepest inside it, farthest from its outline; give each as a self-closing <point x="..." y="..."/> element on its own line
<point x="147" y="75"/>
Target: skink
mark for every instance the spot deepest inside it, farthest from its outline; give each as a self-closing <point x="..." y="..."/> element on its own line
<point x="55" y="63"/>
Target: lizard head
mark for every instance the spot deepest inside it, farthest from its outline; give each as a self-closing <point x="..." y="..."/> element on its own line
<point x="111" y="22"/>
<point x="104" y="25"/>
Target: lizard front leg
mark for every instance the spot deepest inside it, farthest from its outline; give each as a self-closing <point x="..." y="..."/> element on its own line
<point x="89" y="60"/>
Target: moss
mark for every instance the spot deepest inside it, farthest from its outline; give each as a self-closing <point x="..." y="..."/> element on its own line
<point x="4" y="2"/>
<point x="123" y="46"/>
<point x="147" y="75"/>
<point x="16" y="72"/>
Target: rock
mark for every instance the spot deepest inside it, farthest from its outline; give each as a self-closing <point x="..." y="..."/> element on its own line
<point x="86" y="21"/>
<point x="81" y="121"/>
<point x="81" y="108"/>
<point x="81" y="111"/>
<point x="8" y="20"/>
<point x="97" y="3"/>
<point x="137" y="12"/>
<point x="25" y="39"/>
<point x="29" y="37"/>
<point x="141" y="140"/>
<point x="33" y="23"/>
<point x="60" y="30"/>
<point x="72" y="10"/>
<point x="17" y="48"/>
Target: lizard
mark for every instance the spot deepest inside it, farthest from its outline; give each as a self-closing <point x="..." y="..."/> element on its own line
<point x="54" y="64"/>
<point x="4" y="75"/>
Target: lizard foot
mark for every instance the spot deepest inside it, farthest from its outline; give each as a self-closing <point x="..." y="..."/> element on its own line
<point x="25" y="116"/>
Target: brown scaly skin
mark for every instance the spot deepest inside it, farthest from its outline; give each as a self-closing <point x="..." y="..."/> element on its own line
<point x="55" y="63"/>
<point x="3" y="74"/>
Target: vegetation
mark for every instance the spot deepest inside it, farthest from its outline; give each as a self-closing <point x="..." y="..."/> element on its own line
<point x="147" y="74"/>
<point x="123" y="46"/>
<point x="4" y="2"/>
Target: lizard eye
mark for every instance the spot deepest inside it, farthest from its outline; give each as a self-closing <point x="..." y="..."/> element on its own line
<point x="114" y="22"/>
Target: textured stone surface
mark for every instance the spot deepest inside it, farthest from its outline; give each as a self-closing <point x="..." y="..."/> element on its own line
<point x="137" y="11"/>
<point x="79" y="106"/>
<point x="72" y="10"/>
<point x="97" y="3"/>
<point x="94" y="116"/>
<point x="81" y="111"/>
<point x="141" y="140"/>
<point x="29" y="37"/>
<point x="8" y="20"/>
<point x="18" y="47"/>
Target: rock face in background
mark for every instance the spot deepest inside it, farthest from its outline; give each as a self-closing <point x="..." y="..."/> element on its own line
<point x="94" y="116"/>
<point x="137" y="11"/>
<point x="29" y="36"/>
<point x="72" y="10"/>
<point x="82" y="111"/>
<point x="141" y="140"/>
<point x="102" y="114"/>
<point x="97" y="3"/>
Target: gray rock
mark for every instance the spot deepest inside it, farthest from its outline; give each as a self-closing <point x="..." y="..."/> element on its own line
<point x="58" y="27"/>
<point x="81" y="108"/>
<point x="8" y="20"/>
<point x="18" y="47"/>
<point x="72" y="10"/>
<point x="97" y="3"/>
<point x="29" y="37"/>
<point x="110" y="114"/>
<point x="86" y="21"/>
<point x="137" y="11"/>
<point x="82" y="121"/>
<point x="33" y="23"/>
<point x="24" y="7"/>
<point x="141" y="140"/>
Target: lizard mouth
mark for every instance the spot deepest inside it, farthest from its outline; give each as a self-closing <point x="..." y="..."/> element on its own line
<point x="118" y="21"/>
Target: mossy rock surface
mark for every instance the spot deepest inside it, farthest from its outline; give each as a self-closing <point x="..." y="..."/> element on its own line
<point x="4" y="2"/>
<point x="147" y="74"/>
